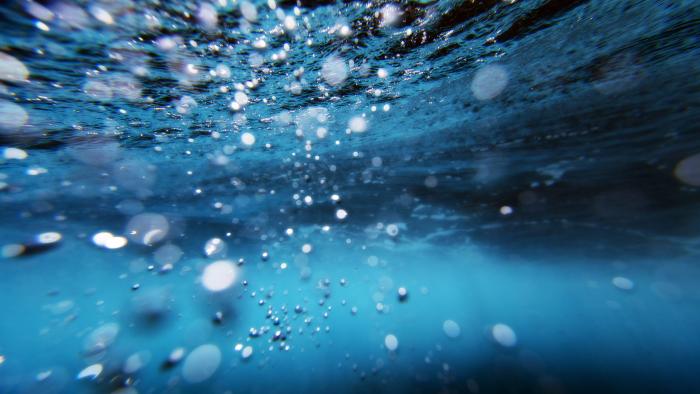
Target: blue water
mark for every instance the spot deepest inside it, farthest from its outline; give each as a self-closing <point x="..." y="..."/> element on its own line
<point x="397" y="197"/>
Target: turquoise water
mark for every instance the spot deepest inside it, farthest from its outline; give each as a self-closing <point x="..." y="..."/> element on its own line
<point x="445" y="196"/>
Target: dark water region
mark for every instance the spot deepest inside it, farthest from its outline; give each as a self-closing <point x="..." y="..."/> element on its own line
<point x="330" y="196"/>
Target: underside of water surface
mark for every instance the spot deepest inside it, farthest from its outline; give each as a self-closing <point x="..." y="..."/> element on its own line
<point x="455" y="196"/>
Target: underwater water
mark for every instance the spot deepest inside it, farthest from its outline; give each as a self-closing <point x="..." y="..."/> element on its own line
<point x="226" y="196"/>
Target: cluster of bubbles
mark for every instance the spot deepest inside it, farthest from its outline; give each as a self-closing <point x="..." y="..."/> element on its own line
<point x="220" y="275"/>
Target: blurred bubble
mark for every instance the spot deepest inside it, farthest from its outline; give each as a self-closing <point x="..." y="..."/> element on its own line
<point x="108" y="240"/>
<point x="489" y="82"/>
<point x="134" y="175"/>
<point x="38" y="11"/>
<point x="71" y="15"/>
<point x="11" y="69"/>
<point x="688" y="170"/>
<point x="50" y="237"/>
<point x="91" y="372"/>
<point x="215" y="247"/>
<point x="390" y="14"/>
<point x="290" y="23"/>
<point x="341" y="214"/>
<point x="12" y="116"/>
<point x="12" y="250"/>
<point x="125" y="86"/>
<point x="136" y="361"/>
<point x="334" y="70"/>
<point x="207" y="16"/>
<point x="357" y="124"/>
<point x="451" y="328"/>
<point x="249" y="11"/>
<point x="219" y="275"/>
<point x="167" y="254"/>
<point x="391" y="342"/>
<point x="97" y="151"/>
<point x="623" y="283"/>
<point x="201" y="363"/>
<point x="14" y="154"/>
<point x="309" y="121"/>
<point x="185" y="105"/>
<point x="100" y="339"/>
<point x="247" y="139"/>
<point x="97" y="90"/>
<point x="101" y="14"/>
<point x="147" y="228"/>
<point x="503" y="335"/>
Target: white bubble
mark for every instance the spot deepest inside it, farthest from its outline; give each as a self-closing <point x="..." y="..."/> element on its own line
<point x="147" y="228"/>
<point x="390" y="14"/>
<point x="451" y="328"/>
<point x="357" y="124"/>
<point x="12" y="116"/>
<point x="489" y="82"/>
<point x="12" y="250"/>
<point x="125" y="85"/>
<point x="219" y="275"/>
<point x="382" y="73"/>
<point x="185" y="104"/>
<point x="249" y="12"/>
<point x="688" y="170"/>
<point x="167" y="254"/>
<point x="255" y="60"/>
<point x="223" y="71"/>
<point x="215" y="247"/>
<point x="168" y="43"/>
<point x="247" y="352"/>
<point x="391" y="342"/>
<point x="290" y="23"/>
<point x="101" y="338"/>
<point x="116" y="242"/>
<point x="107" y="240"/>
<point x="176" y="355"/>
<point x="506" y="210"/>
<point x="503" y="335"/>
<point x="11" y="69"/>
<point x="14" y="154"/>
<point x="71" y="15"/>
<point x="39" y="11"/>
<point x="392" y="230"/>
<point x="49" y="237"/>
<point x="97" y="90"/>
<point x="306" y="248"/>
<point x="42" y="26"/>
<point x="101" y="15"/>
<point x="201" y="363"/>
<point x="207" y="16"/>
<point x="295" y="88"/>
<point x="241" y="98"/>
<point x="345" y="31"/>
<point x="623" y="283"/>
<point x="341" y="214"/>
<point x="91" y="372"/>
<point x="334" y="70"/>
<point x="135" y="362"/>
<point x="431" y="181"/>
<point x="247" y="139"/>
